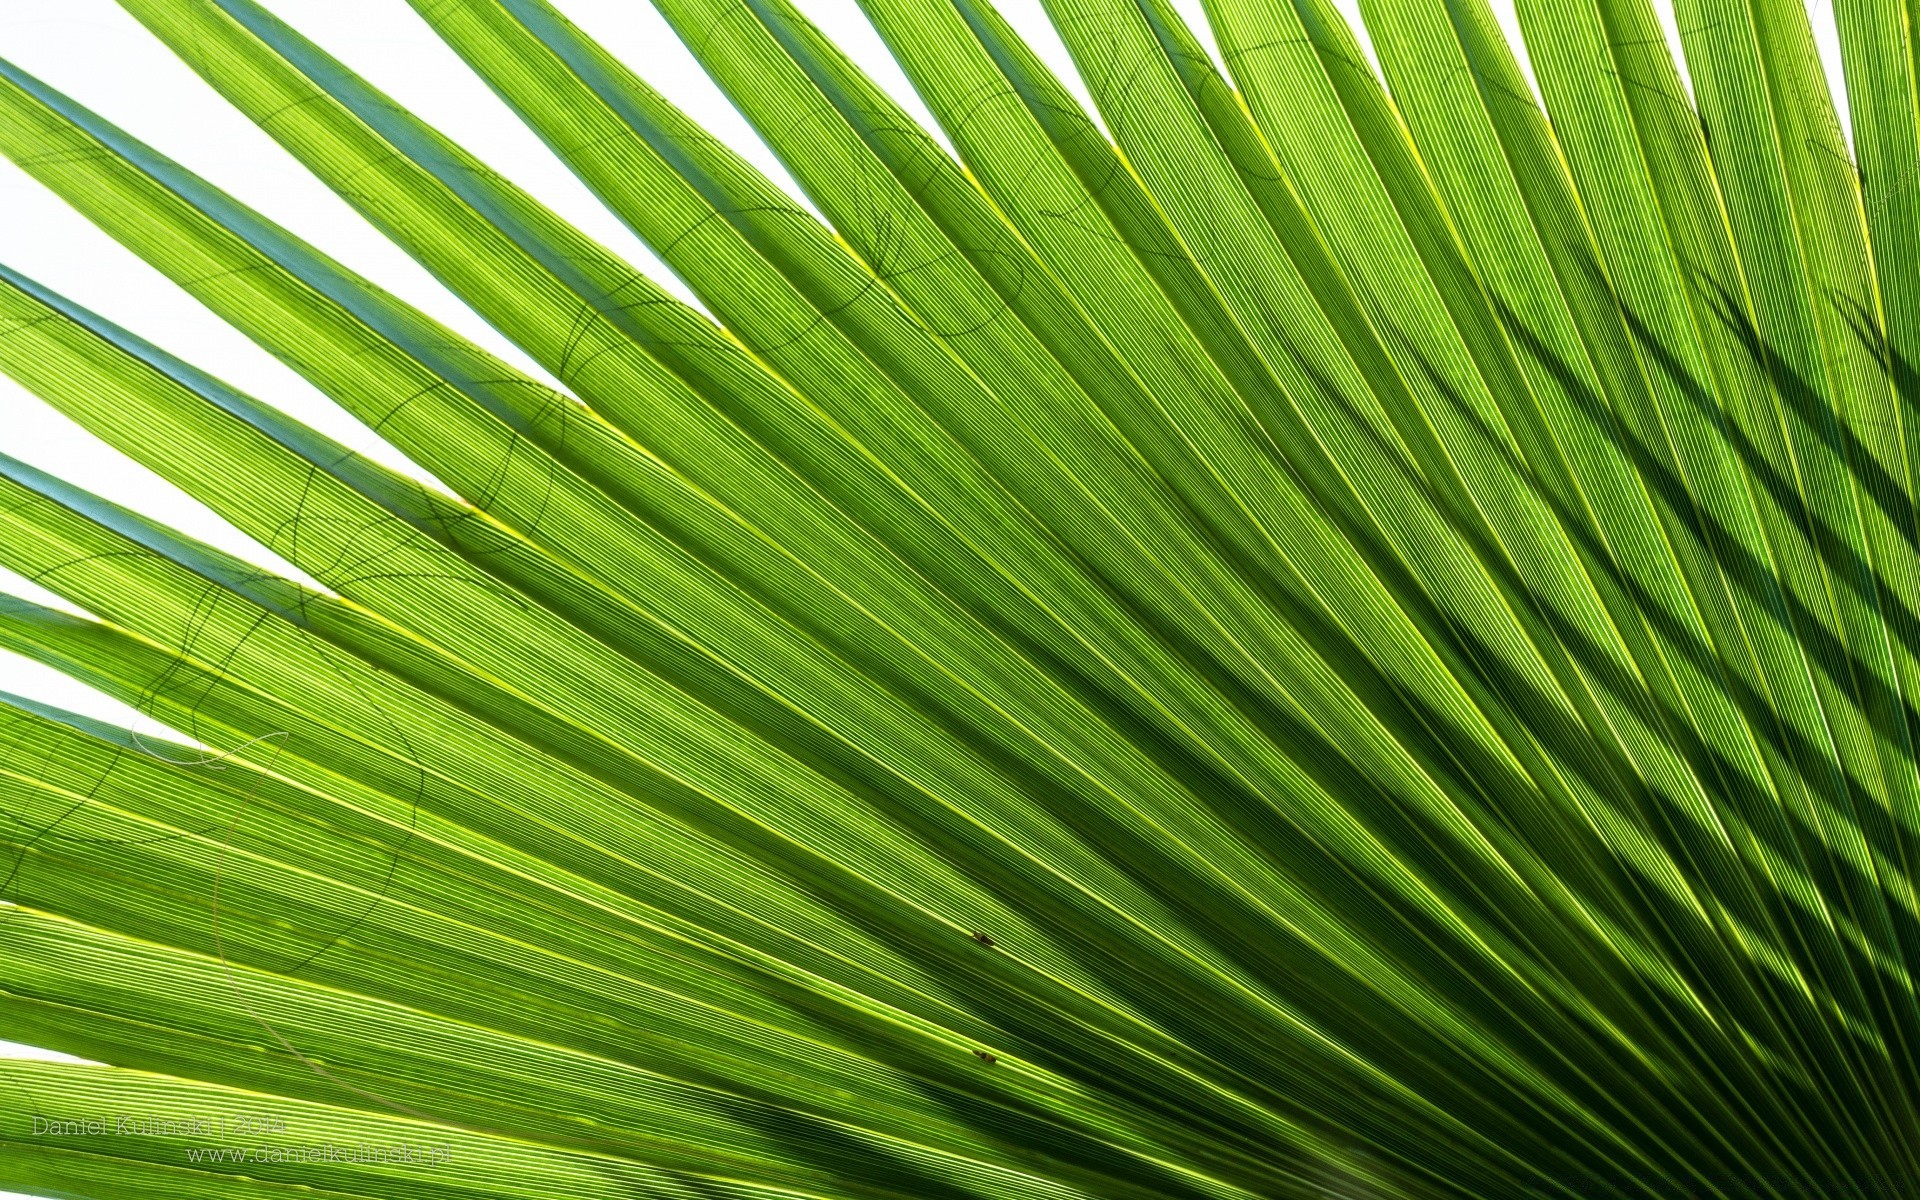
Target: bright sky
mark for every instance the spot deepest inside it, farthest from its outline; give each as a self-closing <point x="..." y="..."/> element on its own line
<point x="94" y="52"/>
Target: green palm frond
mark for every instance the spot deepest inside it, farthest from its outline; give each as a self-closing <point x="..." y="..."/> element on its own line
<point x="1320" y="634"/>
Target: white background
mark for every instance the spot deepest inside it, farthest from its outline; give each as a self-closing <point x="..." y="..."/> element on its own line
<point x="101" y="57"/>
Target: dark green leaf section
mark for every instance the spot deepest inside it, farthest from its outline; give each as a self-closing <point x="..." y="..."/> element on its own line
<point x="1306" y="634"/>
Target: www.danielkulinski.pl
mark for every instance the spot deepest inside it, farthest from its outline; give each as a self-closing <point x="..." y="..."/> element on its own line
<point x="243" y="1125"/>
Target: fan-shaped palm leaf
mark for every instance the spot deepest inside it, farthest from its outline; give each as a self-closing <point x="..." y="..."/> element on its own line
<point x="1312" y="638"/>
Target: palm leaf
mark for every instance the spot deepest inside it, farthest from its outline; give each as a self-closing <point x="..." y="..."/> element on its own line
<point x="1302" y="635"/>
